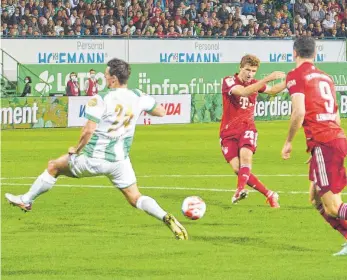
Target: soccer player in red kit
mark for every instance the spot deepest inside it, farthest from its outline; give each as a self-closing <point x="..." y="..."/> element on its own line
<point x="238" y="134"/>
<point x="315" y="108"/>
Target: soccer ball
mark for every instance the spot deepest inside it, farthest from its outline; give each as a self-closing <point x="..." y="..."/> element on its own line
<point x="193" y="207"/>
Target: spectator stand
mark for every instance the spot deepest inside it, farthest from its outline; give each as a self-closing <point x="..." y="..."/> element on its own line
<point x="173" y="19"/>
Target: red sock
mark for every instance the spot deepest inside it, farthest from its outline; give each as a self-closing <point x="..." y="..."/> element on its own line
<point x="343" y="223"/>
<point x="254" y="182"/>
<point x="335" y="223"/>
<point x="243" y="176"/>
<point x="342" y="214"/>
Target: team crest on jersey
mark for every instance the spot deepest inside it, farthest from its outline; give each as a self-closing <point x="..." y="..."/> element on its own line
<point x="230" y="81"/>
<point x="92" y="102"/>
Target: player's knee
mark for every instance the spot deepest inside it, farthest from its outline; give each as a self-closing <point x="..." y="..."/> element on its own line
<point x="235" y="166"/>
<point x="52" y="167"/>
<point x="236" y="169"/>
<point x="332" y="210"/>
<point x="246" y="159"/>
<point x="133" y="199"/>
<point x="246" y="152"/>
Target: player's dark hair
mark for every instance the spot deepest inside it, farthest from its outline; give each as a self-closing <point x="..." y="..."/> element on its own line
<point x="305" y="46"/>
<point x="120" y="69"/>
<point x="92" y="70"/>
<point x="252" y="60"/>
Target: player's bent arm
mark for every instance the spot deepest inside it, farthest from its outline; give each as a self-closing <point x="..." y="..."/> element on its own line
<point x="298" y="115"/>
<point x="157" y="111"/>
<point x="277" y="88"/>
<point x="86" y="134"/>
<point x="246" y="91"/>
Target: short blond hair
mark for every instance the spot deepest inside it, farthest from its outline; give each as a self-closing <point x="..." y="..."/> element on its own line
<point x="252" y="60"/>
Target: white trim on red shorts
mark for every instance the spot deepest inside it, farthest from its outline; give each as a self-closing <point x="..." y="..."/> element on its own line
<point x="321" y="167"/>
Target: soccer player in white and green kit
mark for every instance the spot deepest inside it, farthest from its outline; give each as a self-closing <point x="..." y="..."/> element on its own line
<point x="104" y="145"/>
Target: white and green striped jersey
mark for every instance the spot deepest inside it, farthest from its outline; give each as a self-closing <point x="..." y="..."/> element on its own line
<point x="116" y="114"/>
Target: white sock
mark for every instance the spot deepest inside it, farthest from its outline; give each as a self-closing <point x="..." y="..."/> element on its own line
<point x="42" y="184"/>
<point x="150" y="206"/>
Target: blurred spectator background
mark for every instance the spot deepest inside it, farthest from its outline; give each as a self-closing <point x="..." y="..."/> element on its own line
<point x="172" y="18"/>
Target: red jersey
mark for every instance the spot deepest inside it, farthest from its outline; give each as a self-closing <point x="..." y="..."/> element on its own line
<point x="92" y="87"/>
<point x="320" y="103"/>
<point x="238" y="111"/>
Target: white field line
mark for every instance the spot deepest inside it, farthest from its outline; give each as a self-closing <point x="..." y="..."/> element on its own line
<point x="158" y="188"/>
<point x="180" y="176"/>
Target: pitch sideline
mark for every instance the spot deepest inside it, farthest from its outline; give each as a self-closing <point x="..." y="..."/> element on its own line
<point x="158" y="188"/>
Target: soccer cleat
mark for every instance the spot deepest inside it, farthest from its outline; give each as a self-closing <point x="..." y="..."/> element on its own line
<point x="16" y="200"/>
<point x="239" y="195"/>
<point x="273" y="200"/>
<point x="343" y="251"/>
<point x="178" y="230"/>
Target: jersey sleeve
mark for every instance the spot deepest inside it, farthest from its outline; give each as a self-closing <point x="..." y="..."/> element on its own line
<point x="263" y="89"/>
<point x="295" y="83"/>
<point x="228" y="84"/>
<point x="95" y="109"/>
<point x="147" y="103"/>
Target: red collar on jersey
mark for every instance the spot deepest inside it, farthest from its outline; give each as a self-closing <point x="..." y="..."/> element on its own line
<point x="306" y="63"/>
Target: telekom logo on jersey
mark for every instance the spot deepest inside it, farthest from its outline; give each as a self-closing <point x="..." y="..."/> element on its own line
<point x="244" y="102"/>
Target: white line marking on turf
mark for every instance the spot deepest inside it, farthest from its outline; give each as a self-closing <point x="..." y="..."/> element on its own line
<point x="222" y="175"/>
<point x="179" y="175"/>
<point x="159" y="188"/>
<point x="17" y="178"/>
<point x="108" y="187"/>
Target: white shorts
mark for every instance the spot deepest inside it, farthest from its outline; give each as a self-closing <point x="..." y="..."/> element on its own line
<point x="120" y="173"/>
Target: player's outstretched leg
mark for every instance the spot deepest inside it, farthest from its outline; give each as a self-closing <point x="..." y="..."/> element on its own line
<point x="271" y="196"/>
<point x="246" y="177"/>
<point x="335" y="223"/>
<point x="336" y="211"/>
<point x="42" y="184"/>
<point x="242" y="178"/>
<point x="151" y="207"/>
<point x="243" y="164"/>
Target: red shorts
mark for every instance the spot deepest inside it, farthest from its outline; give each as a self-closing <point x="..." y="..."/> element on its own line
<point x="327" y="166"/>
<point x="231" y="145"/>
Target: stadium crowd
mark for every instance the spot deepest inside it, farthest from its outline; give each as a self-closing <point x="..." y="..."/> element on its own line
<point x="171" y="18"/>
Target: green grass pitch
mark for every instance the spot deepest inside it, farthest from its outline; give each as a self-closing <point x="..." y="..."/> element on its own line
<point x="84" y="229"/>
